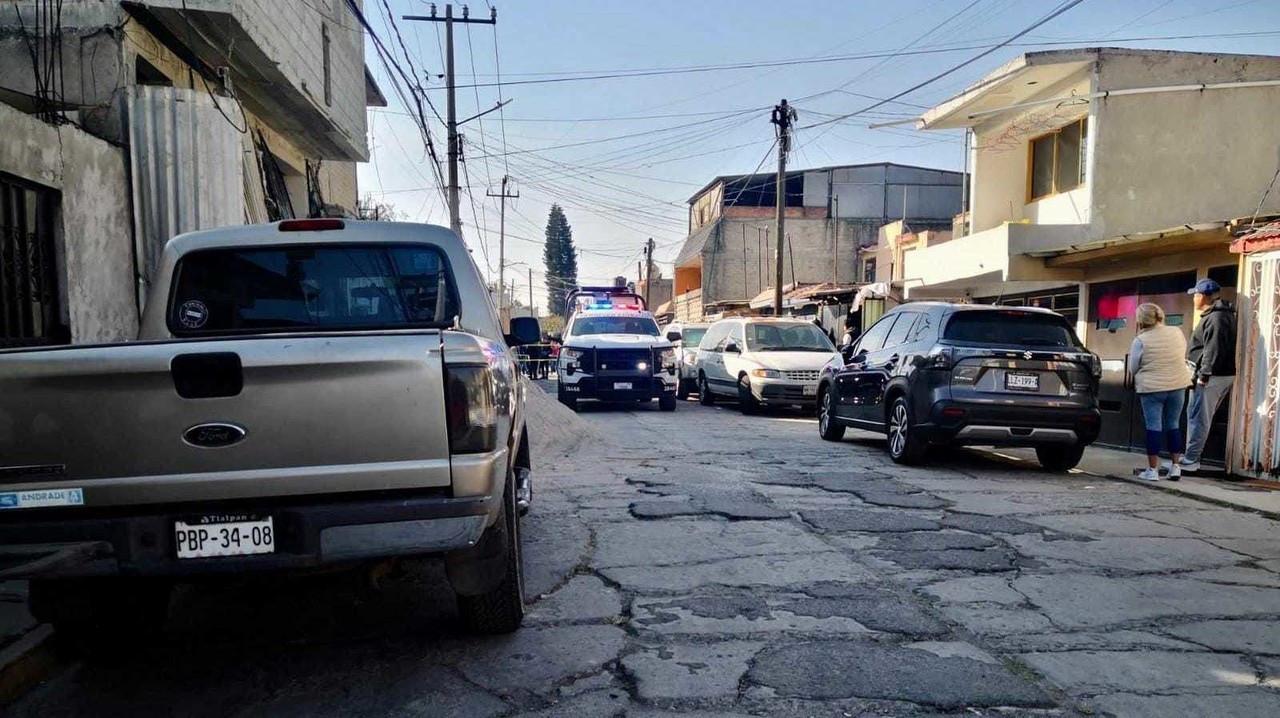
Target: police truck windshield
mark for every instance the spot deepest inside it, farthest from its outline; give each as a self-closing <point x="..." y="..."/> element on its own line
<point x="615" y="325"/>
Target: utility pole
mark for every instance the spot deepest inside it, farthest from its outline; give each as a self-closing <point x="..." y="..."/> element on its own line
<point x="533" y="310"/>
<point x="648" y="271"/>
<point x="835" y="224"/>
<point x="746" y="293"/>
<point x="502" y="196"/>
<point x="451" y="116"/>
<point x="783" y="117"/>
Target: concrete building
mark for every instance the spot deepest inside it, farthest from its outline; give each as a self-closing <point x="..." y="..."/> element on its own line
<point x="136" y="121"/>
<point x="831" y="212"/>
<point x="1103" y="178"/>
<point x="885" y="260"/>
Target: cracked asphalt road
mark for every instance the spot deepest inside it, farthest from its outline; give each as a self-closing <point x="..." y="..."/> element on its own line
<point x="703" y="563"/>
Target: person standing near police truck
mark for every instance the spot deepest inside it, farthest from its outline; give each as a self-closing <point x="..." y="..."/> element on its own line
<point x="1212" y="357"/>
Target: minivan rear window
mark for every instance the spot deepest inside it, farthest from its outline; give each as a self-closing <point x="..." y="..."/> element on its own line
<point x="311" y="288"/>
<point x="1010" y="329"/>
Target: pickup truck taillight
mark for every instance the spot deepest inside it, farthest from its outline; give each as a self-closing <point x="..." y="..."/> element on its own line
<point x="471" y="412"/>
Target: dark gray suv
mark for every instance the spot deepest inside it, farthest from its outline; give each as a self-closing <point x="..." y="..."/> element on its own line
<point x="966" y="375"/>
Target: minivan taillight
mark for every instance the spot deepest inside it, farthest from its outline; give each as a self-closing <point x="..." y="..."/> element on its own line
<point x="471" y="413"/>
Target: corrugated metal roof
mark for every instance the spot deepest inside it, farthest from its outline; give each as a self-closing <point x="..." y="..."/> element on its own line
<point x="1266" y="237"/>
<point x="187" y="167"/>
<point x="695" y="243"/>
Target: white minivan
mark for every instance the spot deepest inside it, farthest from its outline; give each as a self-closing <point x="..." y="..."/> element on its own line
<point x="762" y="361"/>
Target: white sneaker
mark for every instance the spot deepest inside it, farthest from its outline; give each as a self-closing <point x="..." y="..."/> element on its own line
<point x="1189" y="466"/>
<point x="1149" y="474"/>
<point x="1175" y="472"/>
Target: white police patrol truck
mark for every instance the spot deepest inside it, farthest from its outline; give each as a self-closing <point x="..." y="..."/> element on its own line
<point x="612" y="351"/>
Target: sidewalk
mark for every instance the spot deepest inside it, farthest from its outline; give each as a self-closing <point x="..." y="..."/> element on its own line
<point x="1209" y="485"/>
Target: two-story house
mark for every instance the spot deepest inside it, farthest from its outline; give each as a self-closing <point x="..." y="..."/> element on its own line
<point x="1103" y="178"/>
<point x="126" y="123"/>
<point x="831" y="213"/>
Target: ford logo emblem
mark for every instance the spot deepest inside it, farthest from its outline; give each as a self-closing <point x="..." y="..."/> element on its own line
<point x="213" y="435"/>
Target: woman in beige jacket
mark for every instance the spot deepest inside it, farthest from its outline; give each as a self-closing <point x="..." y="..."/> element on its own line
<point x="1157" y="361"/>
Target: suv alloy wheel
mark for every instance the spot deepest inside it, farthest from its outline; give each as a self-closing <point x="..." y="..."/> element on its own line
<point x="905" y="446"/>
<point x="828" y="427"/>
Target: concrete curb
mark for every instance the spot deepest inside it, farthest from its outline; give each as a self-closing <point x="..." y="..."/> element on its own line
<point x="1176" y="488"/>
<point x="26" y="662"/>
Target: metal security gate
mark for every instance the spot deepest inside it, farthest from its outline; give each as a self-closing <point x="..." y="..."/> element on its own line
<point x="1254" y="447"/>
<point x="29" y="306"/>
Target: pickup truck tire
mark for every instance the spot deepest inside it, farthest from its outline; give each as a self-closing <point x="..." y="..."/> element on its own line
<point x="569" y="401"/>
<point x="101" y="617"/>
<point x="667" y="402"/>
<point x="500" y="609"/>
<point x="682" y="392"/>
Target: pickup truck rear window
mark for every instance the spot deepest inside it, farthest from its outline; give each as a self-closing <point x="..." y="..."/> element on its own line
<point x="1010" y="329"/>
<point x="311" y="288"/>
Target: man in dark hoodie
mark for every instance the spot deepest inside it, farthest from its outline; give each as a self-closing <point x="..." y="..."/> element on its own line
<point x="1212" y="353"/>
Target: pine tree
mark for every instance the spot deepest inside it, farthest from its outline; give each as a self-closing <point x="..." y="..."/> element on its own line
<point x="561" y="259"/>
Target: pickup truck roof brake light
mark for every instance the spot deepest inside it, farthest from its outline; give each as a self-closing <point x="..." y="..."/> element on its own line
<point x="310" y="225"/>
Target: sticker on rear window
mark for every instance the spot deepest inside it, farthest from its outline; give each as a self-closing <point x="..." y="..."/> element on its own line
<point x="193" y="314"/>
<point x="43" y="498"/>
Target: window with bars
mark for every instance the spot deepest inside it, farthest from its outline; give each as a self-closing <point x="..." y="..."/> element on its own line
<point x="30" y="307"/>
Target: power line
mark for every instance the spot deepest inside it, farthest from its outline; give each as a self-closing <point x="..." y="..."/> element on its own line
<point x="954" y="68"/>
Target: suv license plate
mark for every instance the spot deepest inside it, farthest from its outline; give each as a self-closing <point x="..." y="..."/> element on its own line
<point x="234" y="538"/>
<point x="622" y="386"/>
<point x="1022" y="382"/>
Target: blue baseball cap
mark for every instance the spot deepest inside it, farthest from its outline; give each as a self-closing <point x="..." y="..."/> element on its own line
<point x="1205" y="286"/>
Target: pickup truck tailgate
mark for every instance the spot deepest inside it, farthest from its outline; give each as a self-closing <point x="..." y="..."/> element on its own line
<point x="306" y="414"/>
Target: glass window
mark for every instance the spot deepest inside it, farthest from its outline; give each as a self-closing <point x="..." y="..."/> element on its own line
<point x="868" y="270"/>
<point x="778" y="337"/>
<point x="311" y="288"/>
<point x="1041" y="166"/>
<point x="1070" y="165"/>
<point x="692" y="336"/>
<point x="712" y="338"/>
<point x="923" y="330"/>
<point x="585" y="326"/>
<point x="898" y="335"/>
<point x="1010" y="328"/>
<point x="873" y="338"/>
<point x="1058" y="160"/>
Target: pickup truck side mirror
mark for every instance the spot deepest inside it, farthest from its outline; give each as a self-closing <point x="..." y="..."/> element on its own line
<point x="524" y="330"/>
<point x="732" y="348"/>
<point x="673" y="336"/>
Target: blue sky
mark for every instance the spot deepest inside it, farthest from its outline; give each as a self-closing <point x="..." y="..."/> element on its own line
<point x="622" y="155"/>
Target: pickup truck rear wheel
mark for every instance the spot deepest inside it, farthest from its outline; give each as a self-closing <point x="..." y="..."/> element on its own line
<point x="501" y="609"/>
<point x="101" y="616"/>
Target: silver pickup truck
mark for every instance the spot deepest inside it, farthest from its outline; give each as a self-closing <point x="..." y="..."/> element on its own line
<point x="305" y="393"/>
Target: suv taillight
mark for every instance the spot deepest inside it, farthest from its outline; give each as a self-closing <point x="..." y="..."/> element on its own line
<point x="939" y="358"/>
<point x="471" y="412"/>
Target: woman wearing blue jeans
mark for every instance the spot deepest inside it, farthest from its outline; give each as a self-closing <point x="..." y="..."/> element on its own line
<point x="1157" y="361"/>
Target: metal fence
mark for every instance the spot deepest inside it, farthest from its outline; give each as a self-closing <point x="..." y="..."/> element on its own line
<point x="1254" y="448"/>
